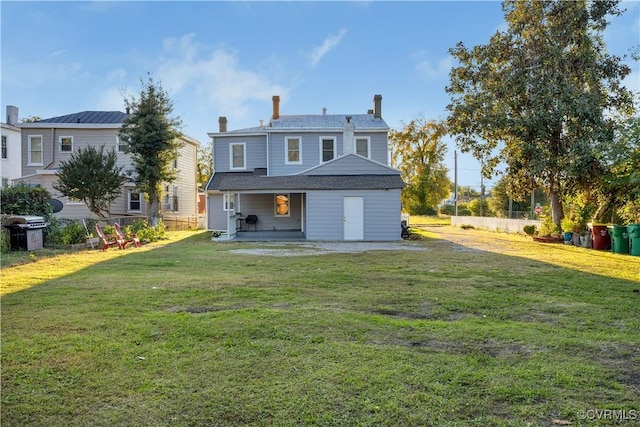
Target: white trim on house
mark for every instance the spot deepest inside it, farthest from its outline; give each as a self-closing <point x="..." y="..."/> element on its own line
<point x="140" y="198"/>
<point x="120" y="148"/>
<point x="60" y="139"/>
<point x="30" y="161"/>
<point x="244" y="155"/>
<point x="286" y="150"/>
<point x="368" y="139"/>
<point x="287" y="203"/>
<point x="342" y="157"/>
<point x="333" y="139"/>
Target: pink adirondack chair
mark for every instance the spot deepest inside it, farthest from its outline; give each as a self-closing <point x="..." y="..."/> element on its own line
<point x="124" y="240"/>
<point x="107" y="240"/>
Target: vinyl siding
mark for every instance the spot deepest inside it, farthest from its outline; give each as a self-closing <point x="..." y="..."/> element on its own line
<point x="379" y="147"/>
<point x="263" y="205"/>
<point x="11" y="167"/>
<point x="310" y="151"/>
<point x="381" y="214"/>
<point x="186" y="183"/>
<point x="81" y="139"/>
<point x="351" y="165"/>
<point x="255" y="152"/>
<point x="217" y="216"/>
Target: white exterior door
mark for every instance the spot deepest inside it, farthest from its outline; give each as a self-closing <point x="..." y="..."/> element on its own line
<point x="353" y="217"/>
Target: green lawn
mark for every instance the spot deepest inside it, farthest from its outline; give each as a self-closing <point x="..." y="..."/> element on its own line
<point x="186" y="333"/>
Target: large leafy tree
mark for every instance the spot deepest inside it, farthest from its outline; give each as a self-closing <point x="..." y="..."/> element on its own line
<point x="152" y="134"/>
<point x="538" y="96"/>
<point x="205" y="164"/>
<point x="619" y="192"/>
<point x="418" y="152"/>
<point x="93" y="176"/>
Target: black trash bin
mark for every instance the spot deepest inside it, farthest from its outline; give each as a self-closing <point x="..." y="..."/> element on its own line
<point x="25" y="232"/>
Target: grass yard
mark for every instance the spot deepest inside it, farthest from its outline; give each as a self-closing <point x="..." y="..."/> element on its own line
<point x="481" y="329"/>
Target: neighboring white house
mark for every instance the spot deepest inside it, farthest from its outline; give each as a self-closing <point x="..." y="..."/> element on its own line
<point x="46" y="143"/>
<point x="324" y="176"/>
<point x="11" y="157"/>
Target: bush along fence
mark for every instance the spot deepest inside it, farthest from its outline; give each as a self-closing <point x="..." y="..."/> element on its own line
<point x="495" y="224"/>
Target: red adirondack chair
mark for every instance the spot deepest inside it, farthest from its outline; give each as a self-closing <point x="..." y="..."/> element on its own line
<point x="124" y="240"/>
<point x="107" y="240"/>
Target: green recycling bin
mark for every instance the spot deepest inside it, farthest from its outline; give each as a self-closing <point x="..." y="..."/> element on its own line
<point x="634" y="239"/>
<point x="619" y="239"/>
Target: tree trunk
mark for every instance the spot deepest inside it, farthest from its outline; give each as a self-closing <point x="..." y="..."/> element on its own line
<point x="557" y="212"/>
<point x="154" y="209"/>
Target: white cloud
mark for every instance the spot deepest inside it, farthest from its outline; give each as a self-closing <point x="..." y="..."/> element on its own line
<point x="431" y="70"/>
<point x="329" y="43"/>
<point x="213" y="78"/>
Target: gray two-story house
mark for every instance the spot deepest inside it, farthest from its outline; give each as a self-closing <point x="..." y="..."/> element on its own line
<point x="48" y="142"/>
<point x="326" y="176"/>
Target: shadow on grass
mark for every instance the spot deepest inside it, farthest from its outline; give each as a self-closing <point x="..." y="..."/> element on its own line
<point x="188" y="333"/>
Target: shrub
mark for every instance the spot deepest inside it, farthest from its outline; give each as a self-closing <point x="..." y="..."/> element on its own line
<point x="530" y="230"/>
<point x="4" y="241"/>
<point x="73" y="233"/>
<point x="23" y="199"/>
<point x="147" y="233"/>
<point x="65" y="231"/>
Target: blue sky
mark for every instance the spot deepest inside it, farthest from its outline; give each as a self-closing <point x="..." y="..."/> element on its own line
<point x="229" y="58"/>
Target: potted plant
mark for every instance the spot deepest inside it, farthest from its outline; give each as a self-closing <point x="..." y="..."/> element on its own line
<point x="567" y="224"/>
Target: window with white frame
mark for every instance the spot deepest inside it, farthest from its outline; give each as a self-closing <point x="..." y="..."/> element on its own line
<point x="171" y="198"/>
<point x="121" y="146"/>
<point x="293" y="154"/>
<point x="35" y="150"/>
<point x="237" y="156"/>
<point x="327" y="148"/>
<point x="362" y="146"/>
<point x="134" y="201"/>
<point x="5" y="182"/>
<point x="228" y="202"/>
<point x="66" y="144"/>
<point x="282" y="205"/>
<point x="4" y="147"/>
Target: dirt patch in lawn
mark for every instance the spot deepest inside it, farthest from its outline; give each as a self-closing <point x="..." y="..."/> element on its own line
<point x="321" y="248"/>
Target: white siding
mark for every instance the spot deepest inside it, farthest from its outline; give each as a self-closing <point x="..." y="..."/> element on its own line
<point x="11" y="167"/>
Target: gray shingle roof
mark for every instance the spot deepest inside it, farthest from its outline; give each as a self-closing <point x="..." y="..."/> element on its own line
<point x="89" y="117"/>
<point x="246" y="181"/>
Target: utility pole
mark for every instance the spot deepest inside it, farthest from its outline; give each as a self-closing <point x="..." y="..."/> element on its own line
<point x="455" y="183"/>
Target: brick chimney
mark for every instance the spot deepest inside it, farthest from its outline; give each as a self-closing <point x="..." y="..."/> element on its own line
<point x="12" y="115"/>
<point x="276" y="107"/>
<point x="377" y="106"/>
<point x="222" y="123"/>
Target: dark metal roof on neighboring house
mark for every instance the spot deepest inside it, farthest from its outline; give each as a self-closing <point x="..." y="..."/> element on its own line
<point x="89" y="117"/>
<point x="247" y="181"/>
